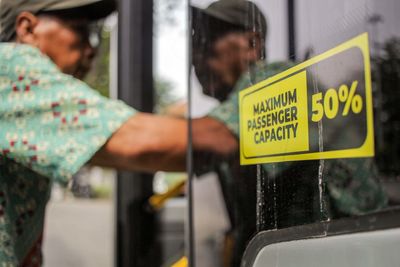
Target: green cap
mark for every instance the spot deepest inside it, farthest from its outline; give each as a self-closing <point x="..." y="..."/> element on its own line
<point x="10" y="9"/>
<point x="242" y="13"/>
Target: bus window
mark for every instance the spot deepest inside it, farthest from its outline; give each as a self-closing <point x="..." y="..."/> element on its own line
<point x="294" y="122"/>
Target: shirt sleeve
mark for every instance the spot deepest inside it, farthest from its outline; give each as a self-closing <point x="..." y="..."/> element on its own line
<point x="49" y="121"/>
<point x="228" y="111"/>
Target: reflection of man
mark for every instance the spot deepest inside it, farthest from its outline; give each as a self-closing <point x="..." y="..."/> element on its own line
<point x="228" y="55"/>
<point x="229" y="41"/>
<point x="228" y="38"/>
<point x="234" y="49"/>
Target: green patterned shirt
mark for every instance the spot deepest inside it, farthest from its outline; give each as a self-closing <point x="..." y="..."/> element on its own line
<point x="50" y="125"/>
<point x="228" y="111"/>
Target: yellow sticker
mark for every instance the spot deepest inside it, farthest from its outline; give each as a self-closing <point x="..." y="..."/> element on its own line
<point x="319" y="109"/>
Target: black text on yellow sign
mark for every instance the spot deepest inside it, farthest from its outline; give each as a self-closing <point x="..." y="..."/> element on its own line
<point x="329" y="102"/>
<point x="319" y="109"/>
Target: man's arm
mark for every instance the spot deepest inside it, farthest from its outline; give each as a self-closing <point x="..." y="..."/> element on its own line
<point x="149" y="143"/>
<point x="211" y="135"/>
<point x="146" y="142"/>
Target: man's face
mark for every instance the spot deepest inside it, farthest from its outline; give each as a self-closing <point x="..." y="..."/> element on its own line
<point x="219" y="64"/>
<point x="66" y="42"/>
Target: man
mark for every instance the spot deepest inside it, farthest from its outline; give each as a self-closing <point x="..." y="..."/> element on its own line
<point x="51" y="123"/>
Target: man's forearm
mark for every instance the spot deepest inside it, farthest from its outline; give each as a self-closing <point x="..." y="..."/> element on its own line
<point x="149" y="142"/>
<point x="146" y="143"/>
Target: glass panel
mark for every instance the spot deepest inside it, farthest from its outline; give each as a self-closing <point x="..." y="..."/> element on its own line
<point x="229" y="39"/>
<point x="170" y="85"/>
<point x="237" y="44"/>
<point x="311" y="191"/>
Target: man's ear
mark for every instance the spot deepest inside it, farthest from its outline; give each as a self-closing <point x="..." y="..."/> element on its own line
<point x="24" y="26"/>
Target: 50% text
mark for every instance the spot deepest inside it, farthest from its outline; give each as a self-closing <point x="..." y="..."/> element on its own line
<point x="328" y="104"/>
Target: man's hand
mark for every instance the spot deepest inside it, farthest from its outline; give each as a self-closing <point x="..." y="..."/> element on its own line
<point x="210" y="135"/>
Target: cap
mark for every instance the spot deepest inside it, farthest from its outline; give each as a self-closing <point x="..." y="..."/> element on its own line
<point x="243" y="13"/>
<point x="9" y="10"/>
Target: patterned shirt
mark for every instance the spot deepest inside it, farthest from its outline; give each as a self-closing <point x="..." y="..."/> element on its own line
<point x="50" y="125"/>
<point x="228" y="111"/>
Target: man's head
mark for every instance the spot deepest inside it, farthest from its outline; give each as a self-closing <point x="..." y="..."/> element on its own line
<point x="228" y="37"/>
<point x="60" y="29"/>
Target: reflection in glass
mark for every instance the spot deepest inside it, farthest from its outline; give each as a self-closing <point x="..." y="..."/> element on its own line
<point x="230" y="54"/>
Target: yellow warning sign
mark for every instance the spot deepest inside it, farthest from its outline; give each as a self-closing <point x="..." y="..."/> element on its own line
<point x="319" y="109"/>
<point x="276" y="121"/>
